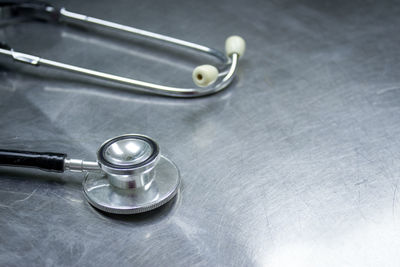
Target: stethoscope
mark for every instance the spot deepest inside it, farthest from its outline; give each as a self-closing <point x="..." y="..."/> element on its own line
<point x="130" y="175"/>
<point x="208" y="78"/>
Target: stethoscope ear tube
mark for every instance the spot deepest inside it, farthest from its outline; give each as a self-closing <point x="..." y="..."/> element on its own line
<point x="209" y="79"/>
<point x="46" y="161"/>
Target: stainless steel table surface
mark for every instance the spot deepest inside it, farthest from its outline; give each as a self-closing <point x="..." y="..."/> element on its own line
<point x="297" y="163"/>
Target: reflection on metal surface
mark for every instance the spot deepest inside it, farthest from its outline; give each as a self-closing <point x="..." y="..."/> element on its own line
<point x="128" y="152"/>
<point x="122" y="49"/>
<point x="373" y="244"/>
<point x="222" y="97"/>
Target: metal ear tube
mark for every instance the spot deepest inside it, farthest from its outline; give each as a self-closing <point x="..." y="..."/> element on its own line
<point x="209" y="79"/>
<point x="130" y="175"/>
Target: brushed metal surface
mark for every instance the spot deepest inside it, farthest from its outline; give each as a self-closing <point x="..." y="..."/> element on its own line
<point x="296" y="164"/>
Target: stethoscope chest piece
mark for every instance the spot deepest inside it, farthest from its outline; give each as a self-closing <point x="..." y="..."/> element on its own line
<point x="130" y="175"/>
<point x="135" y="177"/>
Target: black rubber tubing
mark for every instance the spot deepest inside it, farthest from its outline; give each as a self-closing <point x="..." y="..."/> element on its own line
<point x="46" y="161"/>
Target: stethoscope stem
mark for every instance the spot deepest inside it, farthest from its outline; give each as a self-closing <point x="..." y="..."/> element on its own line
<point x="78" y="165"/>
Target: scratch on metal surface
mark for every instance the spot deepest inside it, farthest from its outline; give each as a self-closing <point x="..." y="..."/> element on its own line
<point x="26" y="198"/>
<point x="219" y="228"/>
<point x="19" y="200"/>
<point x="393" y="88"/>
<point x="5" y="206"/>
<point x="361" y="182"/>
<point x="394" y="200"/>
<point x="359" y="206"/>
<point x="269" y="227"/>
<point x="192" y="232"/>
<point x="66" y="199"/>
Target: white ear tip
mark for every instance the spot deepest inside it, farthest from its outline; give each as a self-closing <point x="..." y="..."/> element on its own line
<point x="235" y="44"/>
<point x="204" y="75"/>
